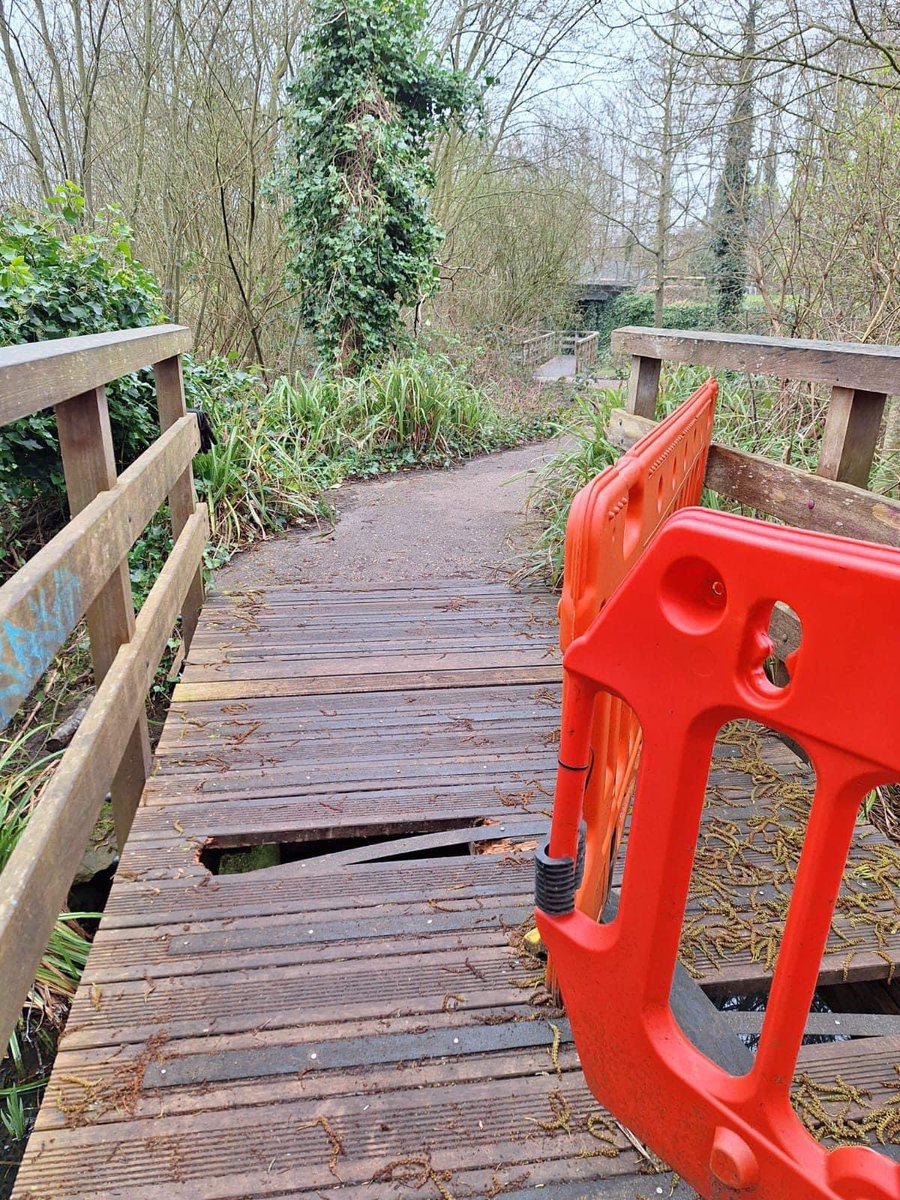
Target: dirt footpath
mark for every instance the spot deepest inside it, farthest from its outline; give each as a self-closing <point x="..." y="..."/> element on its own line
<point x="466" y="522"/>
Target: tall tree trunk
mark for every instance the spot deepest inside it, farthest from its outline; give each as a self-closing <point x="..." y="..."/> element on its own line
<point x="85" y="164"/>
<point x="31" y="139"/>
<point x="147" y="72"/>
<point x="664" y="197"/>
<point x="732" y="212"/>
<point x="60" y="120"/>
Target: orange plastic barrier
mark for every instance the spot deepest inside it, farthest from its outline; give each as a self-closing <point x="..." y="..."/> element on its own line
<point x="702" y="596"/>
<point x="610" y="524"/>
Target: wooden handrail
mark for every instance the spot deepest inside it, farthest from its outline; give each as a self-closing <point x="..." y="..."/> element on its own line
<point x="561" y="341"/>
<point x="839" y="364"/>
<point x="42" y="602"/>
<point x="786" y="493"/>
<point x="83" y="571"/>
<point x="38" y="375"/>
<point x="586" y="348"/>
<point x="861" y="379"/>
<point x="36" y="879"/>
<point x="530" y="351"/>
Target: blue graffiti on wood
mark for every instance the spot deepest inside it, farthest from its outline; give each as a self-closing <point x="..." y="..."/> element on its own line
<point x="27" y="646"/>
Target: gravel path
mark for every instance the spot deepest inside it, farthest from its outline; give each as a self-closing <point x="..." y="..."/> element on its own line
<point x="464" y="523"/>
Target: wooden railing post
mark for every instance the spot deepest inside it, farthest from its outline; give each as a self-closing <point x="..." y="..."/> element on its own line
<point x="89" y="463"/>
<point x="852" y="424"/>
<point x="643" y="386"/>
<point x="585" y="350"/>
<point x="182" y="498"/>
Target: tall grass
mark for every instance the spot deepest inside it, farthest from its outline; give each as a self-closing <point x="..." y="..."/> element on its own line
<point x="22" y="775"/>
<point x="783" y="424"/>
<point x="282" y="448"/>
<point x="583" y="454"/>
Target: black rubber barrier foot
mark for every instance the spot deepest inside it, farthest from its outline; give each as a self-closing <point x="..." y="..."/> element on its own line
<point x="556" y="880"/>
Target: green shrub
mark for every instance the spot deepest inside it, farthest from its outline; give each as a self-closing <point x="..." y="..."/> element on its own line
<point x="632" y="308"/>
<point x="689" y="314"/>
<point x="636" y="308"/>
<point x="554" y="488"/>
<point x="58" y="281"/>
<point x="281" y="449"/>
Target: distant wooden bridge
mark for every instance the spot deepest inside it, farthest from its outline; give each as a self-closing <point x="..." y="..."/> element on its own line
<point x="362" y="1019"/>
<point x="560" y="354"/>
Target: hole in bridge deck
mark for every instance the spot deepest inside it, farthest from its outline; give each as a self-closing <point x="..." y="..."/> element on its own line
<point x="90" y="896"/>
<point x="242" y="858"/>
<point x="840" y="1012"/>
<point x="850" y="1094"/>
<point x="755" y="1003"/>
<point x="754" y="833"/>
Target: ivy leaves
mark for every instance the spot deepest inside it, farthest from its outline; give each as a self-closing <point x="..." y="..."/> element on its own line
<point x="63" y="275"/>
<point x="365" y="109"/>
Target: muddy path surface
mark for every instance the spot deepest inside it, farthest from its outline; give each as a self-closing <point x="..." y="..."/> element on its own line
<point x="467" y="522"/>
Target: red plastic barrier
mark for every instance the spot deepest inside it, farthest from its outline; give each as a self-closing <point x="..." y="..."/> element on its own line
<point x="702" y="596"/>
<point x="610" y="524"/>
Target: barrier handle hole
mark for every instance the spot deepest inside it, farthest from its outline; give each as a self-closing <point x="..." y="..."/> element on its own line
<point x="785" y="634"/>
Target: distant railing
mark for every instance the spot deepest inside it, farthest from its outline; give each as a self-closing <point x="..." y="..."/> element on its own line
<point x="550" y="343"/>
<point x="612" y="271"/>
<point x="83" y="571"/>
<point x="585" y="348"/>
<point x="538" y="349"/>
<point x="833" y="500"/>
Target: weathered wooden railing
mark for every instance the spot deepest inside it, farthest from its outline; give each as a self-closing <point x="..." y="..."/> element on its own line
<point x="583" y="345"/>
<point x="834" y="499"/>
<point x="585" y="348"/>
<point x="538" y="349"/>
<point x="83" y="571"/>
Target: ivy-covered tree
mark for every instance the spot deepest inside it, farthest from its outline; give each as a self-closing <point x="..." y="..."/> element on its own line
<point x="731" y="214"/>
<point x="365" y="109"/>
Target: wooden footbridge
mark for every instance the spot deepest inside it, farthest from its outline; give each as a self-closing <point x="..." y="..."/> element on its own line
<point x="360" y="1015"/>
<point x="557" y="354"/>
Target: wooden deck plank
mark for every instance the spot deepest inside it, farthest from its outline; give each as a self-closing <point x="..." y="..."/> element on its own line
<point x="425" y="1082"/>
<point x="328" y="685"/>
<point x="374" y="1029"/>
